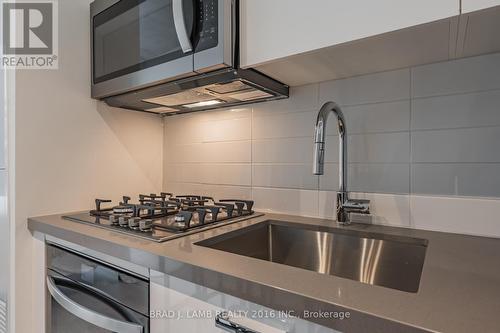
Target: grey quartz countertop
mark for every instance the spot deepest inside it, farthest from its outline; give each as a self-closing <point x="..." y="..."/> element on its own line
<point x="459" y="288"/>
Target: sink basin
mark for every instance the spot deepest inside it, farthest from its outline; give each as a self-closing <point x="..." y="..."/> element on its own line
<point x="378" y="259"/>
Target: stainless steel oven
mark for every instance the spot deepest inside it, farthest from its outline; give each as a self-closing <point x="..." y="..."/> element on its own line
<point x="87" y="296"/>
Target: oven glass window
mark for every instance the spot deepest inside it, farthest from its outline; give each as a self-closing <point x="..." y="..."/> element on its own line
<point x="135" y="34"/>
<point x="62" y="321"/>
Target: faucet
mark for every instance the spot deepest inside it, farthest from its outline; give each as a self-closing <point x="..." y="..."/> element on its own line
<point x="345" y="206"/>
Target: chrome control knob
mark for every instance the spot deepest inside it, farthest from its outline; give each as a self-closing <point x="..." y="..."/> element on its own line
<point x="179" y="218"/>
<point x="113" y="219"/>
<point x="145" y="225"/>
<point x="123" y="221"/>
<point x="133" y="222"/>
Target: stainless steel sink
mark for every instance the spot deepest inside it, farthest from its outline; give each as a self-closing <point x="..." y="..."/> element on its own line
<point x="373" y="258"/>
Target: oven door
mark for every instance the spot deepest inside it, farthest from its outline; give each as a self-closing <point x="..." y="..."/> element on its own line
<point x="137" y="43"/>
<point x="79" y="309"/>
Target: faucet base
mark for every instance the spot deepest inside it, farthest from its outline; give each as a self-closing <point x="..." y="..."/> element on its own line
<point x="346" y="223"/>
<point x="345" y="206"/>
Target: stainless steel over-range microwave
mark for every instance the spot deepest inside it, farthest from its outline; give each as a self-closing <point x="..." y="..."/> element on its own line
<point x="172" y="56"/>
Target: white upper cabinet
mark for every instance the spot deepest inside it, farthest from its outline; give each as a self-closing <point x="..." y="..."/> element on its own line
<point x="276" y="29"/>
<point x="473" y="5"/>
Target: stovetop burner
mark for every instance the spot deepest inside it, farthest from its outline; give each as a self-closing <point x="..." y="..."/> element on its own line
<point x="164" y="216"/>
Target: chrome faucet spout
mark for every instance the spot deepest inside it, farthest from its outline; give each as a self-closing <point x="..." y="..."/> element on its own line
<point x="344" y="204"/>
<point x="319" y="142"/>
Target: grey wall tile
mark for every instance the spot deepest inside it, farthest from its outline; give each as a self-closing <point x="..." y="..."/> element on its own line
<point x="227" y="130"/>
<point x="374" y="118"/>
<point x="226" y="125"/>
<point x="327" y="204"/>
<point x="454" y="111"/>
<point x="301" y="98"/>
<point x="373" y="88"/>
<point x="213" y="152"/>
<point x="288" y="125"/>
<point x="380" y="178"/>
<point x="284" y="150"/>
<point x="226" y="174"/>
<point x="451" y="129"/>
<point x="376" y="178"/>
<point x="378" y="118"/>
<point x="182" y="130"/>
<point x="457" y="215"/>
<point x="459" y="76"/>
<point x="213" y="190"/>
<point x="379" y="148"/>
<point x="329" y="181"/>
<point x="181" y="187"/>
<point x="456" y="179"/>
<point x="474" y="145"/>
<point x="290" y="201"/>
<point x="222" y="174"/>
<point x="284" y="176"/>
<point x="371" y="148"/>
<point x="170" y="174"/>
<point x="227" y="192"/>
<point x="332" y="149"/>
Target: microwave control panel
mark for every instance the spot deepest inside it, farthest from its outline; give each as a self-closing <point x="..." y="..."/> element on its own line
<point x="208" y="24"/>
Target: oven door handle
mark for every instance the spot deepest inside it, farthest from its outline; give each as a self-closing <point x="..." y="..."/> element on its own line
<point x="180" y="26"/>
<point x="88" y="315"/>
<point x="223" y="321"/>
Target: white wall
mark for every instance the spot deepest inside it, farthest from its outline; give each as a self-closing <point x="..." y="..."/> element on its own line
<point x="70" y="149"/>
<point x="4" y="217"/>
<point x="5" y="229"/>
<point x="422" y="146"/>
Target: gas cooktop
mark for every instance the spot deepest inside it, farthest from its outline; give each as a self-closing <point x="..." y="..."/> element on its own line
<point x="165" y="216"/>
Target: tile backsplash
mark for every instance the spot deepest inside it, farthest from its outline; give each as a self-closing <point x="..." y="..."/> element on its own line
<point x="414" y="134"/>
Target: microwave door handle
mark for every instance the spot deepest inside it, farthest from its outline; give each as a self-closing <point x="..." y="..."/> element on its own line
<point x="180" y="26"/>
<point x="88" y="315"/>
